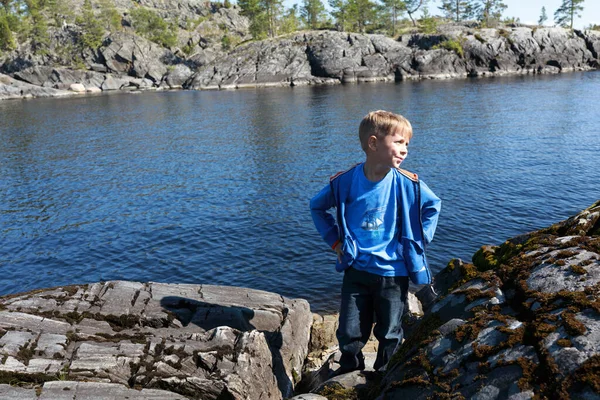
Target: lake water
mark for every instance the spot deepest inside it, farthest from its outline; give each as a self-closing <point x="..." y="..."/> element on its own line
<point x="213" y="187"/>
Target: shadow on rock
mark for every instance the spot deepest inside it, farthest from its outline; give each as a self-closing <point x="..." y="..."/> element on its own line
<point x="208" y="316"/>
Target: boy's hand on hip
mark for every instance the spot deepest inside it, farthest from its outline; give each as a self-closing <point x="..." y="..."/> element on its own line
<point x="338" y="250"/>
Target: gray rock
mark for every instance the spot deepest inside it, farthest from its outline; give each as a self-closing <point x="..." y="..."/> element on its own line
<point x="177" y="77"/>
<point x="355" y="379"/>
<point x="308" y="396"/>
<point x="129" y="54"/>
<point x="13" y="392"/>
<point x="551" y="278"/>
<point x="13" y="89"/>
<point x="194" y="340"/>
<point x="68" y="390"/>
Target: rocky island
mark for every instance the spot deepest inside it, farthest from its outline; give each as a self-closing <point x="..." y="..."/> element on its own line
<point x="521" y="321"/>
<point x="212" y="49"/>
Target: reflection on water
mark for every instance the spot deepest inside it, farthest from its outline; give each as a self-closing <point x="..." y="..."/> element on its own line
<point x="213" y="187"/>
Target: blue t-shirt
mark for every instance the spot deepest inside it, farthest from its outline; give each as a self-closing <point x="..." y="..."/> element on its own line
<point x="371" y="217"/>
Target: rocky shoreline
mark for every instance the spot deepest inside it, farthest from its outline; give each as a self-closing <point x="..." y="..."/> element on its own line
<point x="128" y="62"/>
<point x="520" y="322"/>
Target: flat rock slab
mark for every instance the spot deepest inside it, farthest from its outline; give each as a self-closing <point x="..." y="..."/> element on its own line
<point x="194" y="340"/>
<point x="71" y="390"/>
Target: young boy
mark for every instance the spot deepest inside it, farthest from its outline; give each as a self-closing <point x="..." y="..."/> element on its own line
<point x="385" y="218"/>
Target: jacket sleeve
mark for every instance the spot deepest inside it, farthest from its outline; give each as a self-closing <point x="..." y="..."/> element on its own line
<point x="430" y="211"/>
<point x="324" y="221"/>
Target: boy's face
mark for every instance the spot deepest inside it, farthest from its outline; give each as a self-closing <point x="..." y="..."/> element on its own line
<point x="390" y="150"/>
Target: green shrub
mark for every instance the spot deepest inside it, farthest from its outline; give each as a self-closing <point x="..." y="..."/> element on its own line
<point x="91" y="28"/>
<point x="428" y="24"/>
<point x="7" y="41"/>
<point x="226" y="43"/>
<point x="188" y="49"/>
<point x="451" y="45"/>
<point x="479" y="38"/>
<point x="150" y="25"/>
<point x="110" y="17"/>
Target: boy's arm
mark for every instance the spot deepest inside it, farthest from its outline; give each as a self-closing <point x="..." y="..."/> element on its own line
<point x="324" y="222"/>
<point x="430" y="211"/>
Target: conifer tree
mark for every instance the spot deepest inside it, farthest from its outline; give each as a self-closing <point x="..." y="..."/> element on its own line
<point x="151" y="26"/>
<point x="490" y="10"/>
<point x="290" y="21"/>
<point x="394" y="9"/>
<point x="313" y="13"/>
<point x="361" y="14"/>
<point x="459" y="10"/>
<point x="273" y="10"/>
<point x="566" y="13"/>
<point x="91" y="28"/>
<point x="427" y="22"/>
<point x="7" y="41"/>
<point x="39" y="26"/>
<point x="255" y="13"/>
<point x="110" y="17"/>
<point x="339" y="11"/>
<point x="543" y="17"/>
<point x="412" y="6"/>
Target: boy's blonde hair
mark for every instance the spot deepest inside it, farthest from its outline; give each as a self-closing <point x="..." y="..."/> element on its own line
<point x="382" y="123"/>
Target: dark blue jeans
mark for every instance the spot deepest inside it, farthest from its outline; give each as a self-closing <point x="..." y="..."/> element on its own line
<point x="367" y="297"/>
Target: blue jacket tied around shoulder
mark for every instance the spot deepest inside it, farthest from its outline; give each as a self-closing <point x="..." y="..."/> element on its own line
<point x="418" y="211"/>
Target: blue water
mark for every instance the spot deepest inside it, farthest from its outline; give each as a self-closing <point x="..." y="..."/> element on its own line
<point x="213" y="187"/>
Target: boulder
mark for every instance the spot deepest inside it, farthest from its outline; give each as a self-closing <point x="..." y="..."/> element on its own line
<point x="177" y="76"/>
<point x="199" y="341"/>
<point x="128" y="54"/>
<point x="77" y="87"/>
<point x="14" y="89"/>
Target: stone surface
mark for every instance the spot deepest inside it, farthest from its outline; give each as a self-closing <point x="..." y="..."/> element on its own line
<point x="305" y="58"/>
<point x="192" y="340"/>
<point x="521" y="322"/>
<point x="11" y="88"/>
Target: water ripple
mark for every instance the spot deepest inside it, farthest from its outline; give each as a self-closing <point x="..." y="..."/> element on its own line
<point x="213" y="187"/>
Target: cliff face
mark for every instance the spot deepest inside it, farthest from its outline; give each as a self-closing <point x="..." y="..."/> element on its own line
<point x="126" y="61"/>
<point x="333" y="57"/>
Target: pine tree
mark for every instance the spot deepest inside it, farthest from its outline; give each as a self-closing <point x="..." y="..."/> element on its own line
<point x="109" y="16"/>
<point x="273" y="10"/>
<point x="290" y="21"/>
<point x="151" y="26"/>
<point x="412" y="6"/>
<point x="7" y="41"/>
<point x="459" y="10"/>
<point x="361" y="14"/>
<point x="543" y="17"/>
<point x="566" y="13"/>
<point x="490" y="10"/>
<point x="39" y="26"/>
<point x="313" y="13"/>
<point x="91" y="28"/>
<point x="339" y="11"/>
<point x="255" y="13"/>
<point x="427" y="22"/>
<point x="394" y="9"/>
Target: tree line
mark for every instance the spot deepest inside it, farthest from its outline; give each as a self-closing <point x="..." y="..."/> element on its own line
<point x="269" y="18"/>
<point x="30" y="20"/>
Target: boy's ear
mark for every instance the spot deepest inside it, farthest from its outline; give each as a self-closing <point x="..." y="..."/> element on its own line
<point x="372" y="142"/>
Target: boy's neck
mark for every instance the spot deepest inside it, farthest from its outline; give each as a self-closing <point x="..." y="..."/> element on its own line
<point x="375" y="172"/>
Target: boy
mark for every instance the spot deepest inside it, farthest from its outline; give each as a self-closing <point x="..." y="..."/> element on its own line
<point x="385" y="217"/>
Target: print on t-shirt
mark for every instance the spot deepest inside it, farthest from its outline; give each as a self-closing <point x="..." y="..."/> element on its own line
<point x="372" y="223"/>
